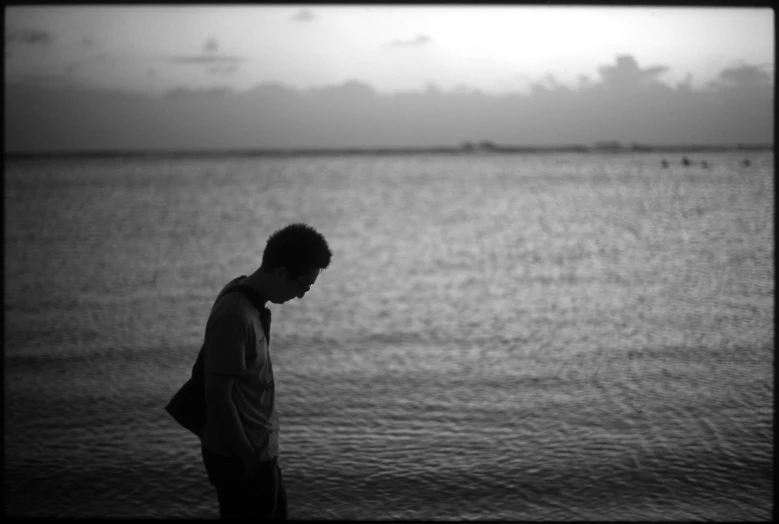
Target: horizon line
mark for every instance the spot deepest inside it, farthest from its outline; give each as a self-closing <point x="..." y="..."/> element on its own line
<point x="469" y="147"/>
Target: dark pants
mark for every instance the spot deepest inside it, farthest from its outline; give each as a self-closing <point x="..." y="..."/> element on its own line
<point x="240" y="496"/>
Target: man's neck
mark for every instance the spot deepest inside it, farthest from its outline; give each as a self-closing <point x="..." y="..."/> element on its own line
<point x="258" y="282"/>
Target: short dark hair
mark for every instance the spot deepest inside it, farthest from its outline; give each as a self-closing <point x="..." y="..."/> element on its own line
<point x="298" y="247"/>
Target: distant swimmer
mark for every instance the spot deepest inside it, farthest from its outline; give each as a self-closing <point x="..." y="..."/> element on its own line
<point x="705" y="165"/>
<point x="685" y="161"/>
<point x="664" y="163"/>
<point x="746" y="163"/>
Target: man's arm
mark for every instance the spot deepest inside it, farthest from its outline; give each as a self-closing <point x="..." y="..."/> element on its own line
<point x="221" y="409"/>
<point x="224" y="348"/>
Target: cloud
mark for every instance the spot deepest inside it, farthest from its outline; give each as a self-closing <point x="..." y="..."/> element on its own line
<point x="74" y="67"/>
<point x="746" y="75"/>
<point x="183" y="92"/>
<point x="68" y="74"/>
<point x="276" y="116"/>
<point x="29" y="37"/>
<point x="464" y="89"/>
<point x="214" y="62"/>
<point x="420" y="40"/>
<point x="207" y="59"/>
<point x="686" y="85"/>
<point x="304" y="15"/>
<point x="42" y="79"/>
<point x="626" y="74"/>
<point x="211" y="45"/>
<point x="222" y="69"/>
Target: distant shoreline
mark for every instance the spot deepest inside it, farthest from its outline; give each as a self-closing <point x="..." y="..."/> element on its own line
<point x="488" y="149"/>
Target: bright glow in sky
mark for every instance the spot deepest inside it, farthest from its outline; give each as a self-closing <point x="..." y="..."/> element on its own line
<point x="492" y="48"/>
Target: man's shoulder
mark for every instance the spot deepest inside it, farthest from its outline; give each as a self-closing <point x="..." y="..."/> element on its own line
<point x="233" y="305"/>
<point x="230" y="297"/>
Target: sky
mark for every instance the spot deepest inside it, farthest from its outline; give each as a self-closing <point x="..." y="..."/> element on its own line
<point x="69" y="60"/>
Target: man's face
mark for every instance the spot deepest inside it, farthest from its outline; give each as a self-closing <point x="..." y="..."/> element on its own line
<point x="295" y="287"/>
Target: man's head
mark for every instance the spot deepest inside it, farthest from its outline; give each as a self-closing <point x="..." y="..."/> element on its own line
<point x="293" y="258"/>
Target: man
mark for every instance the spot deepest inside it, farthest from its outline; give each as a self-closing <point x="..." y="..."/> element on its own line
<point x="240" y="440"/>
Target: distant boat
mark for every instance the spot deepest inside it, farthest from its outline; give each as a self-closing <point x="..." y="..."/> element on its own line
<point x="685" y="161"/>
<point x="746" y="163"/>
<point x="664" y="162"/>
<point x="483" y="146"/>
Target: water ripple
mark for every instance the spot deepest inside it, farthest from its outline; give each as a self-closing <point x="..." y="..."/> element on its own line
<point x="509" y="338"/>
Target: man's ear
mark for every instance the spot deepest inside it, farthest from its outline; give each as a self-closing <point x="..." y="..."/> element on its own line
<point x="280" y="272"/>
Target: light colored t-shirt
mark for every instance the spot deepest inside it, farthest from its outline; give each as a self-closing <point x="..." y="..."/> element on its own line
<point x="235" y="345"/>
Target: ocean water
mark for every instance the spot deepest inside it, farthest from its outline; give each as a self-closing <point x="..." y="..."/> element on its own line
<point x="505" y="337"/>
